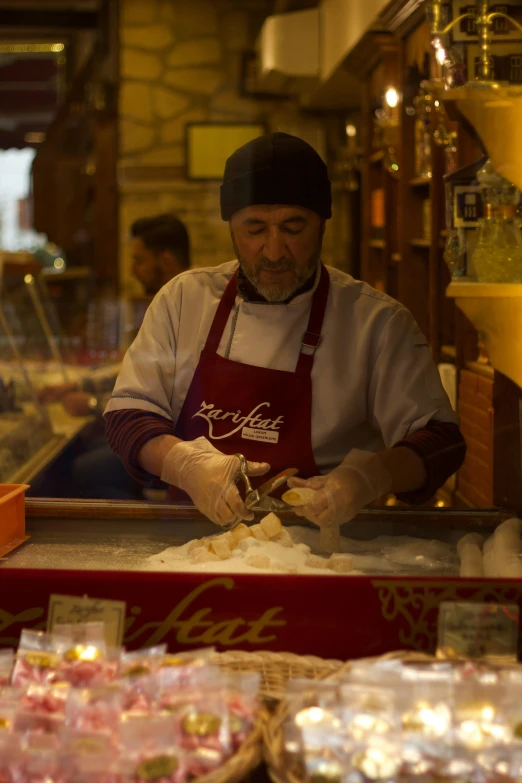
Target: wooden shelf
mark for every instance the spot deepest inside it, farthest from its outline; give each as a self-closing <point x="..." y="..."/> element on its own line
<point x="378" y="244"/>
<point x="481" y="369"/>
<point x="419" y="182"/>
<point x="376" y="157"/>
<point x="420" y="242"/>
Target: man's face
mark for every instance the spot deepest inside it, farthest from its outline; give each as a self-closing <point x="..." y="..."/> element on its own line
<point x="278" y="247"/>
<point x="145" y="266"/>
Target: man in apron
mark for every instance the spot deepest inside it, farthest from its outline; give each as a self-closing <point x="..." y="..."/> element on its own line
<point x="275" y="356"/>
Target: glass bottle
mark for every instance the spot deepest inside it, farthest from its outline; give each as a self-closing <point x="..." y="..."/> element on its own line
<point x="498" y="253"/>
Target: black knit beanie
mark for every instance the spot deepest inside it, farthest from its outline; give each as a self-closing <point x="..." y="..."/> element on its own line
<point x="276" y="169"/>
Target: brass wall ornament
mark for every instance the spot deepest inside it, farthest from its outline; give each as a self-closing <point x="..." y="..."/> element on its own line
<point x="482" y="19"/>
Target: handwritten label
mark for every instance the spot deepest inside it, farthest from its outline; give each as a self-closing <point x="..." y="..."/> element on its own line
<point x="71" y="610"/>
<point x="473" y="630"/>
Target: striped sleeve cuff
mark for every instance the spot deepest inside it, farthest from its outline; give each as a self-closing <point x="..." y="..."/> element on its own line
<point x="128" y="431"/>
<point x="442" y="449"/>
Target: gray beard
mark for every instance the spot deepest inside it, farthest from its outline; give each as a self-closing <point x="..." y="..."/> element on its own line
<point x="276" y="294"/>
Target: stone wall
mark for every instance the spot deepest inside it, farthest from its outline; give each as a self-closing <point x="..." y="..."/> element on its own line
<point x="180" y="63"/>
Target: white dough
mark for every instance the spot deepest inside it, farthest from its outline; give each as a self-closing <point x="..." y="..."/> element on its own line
<point x="469" y="549"/>
<point x="506" y="549"/>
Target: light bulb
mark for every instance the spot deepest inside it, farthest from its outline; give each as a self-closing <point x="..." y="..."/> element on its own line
<point x="391" y="96"/>
<point x="351" y="130"/>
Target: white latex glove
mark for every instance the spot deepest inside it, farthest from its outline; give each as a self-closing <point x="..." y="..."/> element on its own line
<point x="207" y="475"/>
<point x="340" y="495"/>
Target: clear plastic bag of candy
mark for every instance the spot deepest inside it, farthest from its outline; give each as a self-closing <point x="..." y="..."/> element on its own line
<point x="41" y="709"/>
<point x="88" y="757"/>
<point x="149" y="751"/>
<point x="36" y="760"/>
<point x="9" y="701"/>
<point x="180" y="666"/>
<point x="35" y="660"/>
<point x="368" y="710"/>
<point x="6" y="666"/>
<point x="96" y="710"/>
<point x="480" y="715"/>
<point x="140" y="679"/>
<point x="83" y="658"/>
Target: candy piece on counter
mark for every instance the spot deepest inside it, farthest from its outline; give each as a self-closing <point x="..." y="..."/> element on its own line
<point x="271" y="525"/>
<point x="248" y="543"/>
<point x="258" y="561"/>
<point x="284" y="538"/>
<point x="204" y="556"/>
<point x="300" y="496"/>
<point x="341" y="564"/>
<point x="258" y="533"/>
<point x="193" y="545"/>
<point x="330" y="538"/>
<point x="220" y="546"/>
<point x="470" y="552"/>
<point x="239" y="533"/>
<point x="315" y="561"/>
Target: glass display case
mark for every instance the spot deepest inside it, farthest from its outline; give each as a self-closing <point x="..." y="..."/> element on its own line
<point x="25" y="428"/>
<point x="119" y="551"/>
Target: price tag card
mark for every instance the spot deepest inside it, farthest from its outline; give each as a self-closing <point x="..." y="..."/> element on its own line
<point x="472" y="630"/>
<point x="71" y="610"/>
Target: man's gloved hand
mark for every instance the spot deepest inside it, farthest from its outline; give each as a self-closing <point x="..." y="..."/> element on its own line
<point x="207" y="475"/>
<point x="340" y="495"/>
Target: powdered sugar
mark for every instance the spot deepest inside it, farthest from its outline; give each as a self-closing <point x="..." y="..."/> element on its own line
<point x="385" y="554"/>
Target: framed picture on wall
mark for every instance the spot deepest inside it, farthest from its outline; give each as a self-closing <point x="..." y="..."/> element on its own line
<point x="209" y="144"/>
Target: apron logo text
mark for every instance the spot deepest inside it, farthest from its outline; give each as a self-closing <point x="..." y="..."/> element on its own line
<point x="253" y="425"/>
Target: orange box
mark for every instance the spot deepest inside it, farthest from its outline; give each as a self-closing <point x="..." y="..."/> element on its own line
<point x="12" y="516"/>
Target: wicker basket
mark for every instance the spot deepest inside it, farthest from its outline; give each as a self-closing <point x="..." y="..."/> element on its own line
<point x="275" y="670"/>
<point x="278" y="768"/>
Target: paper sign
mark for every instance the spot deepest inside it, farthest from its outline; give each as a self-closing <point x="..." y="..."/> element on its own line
<point x="71" y="609"/>
<point x="472" y="630"/>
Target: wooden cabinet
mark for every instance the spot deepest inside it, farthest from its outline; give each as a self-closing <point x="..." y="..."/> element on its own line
<point x="402" y="249"/>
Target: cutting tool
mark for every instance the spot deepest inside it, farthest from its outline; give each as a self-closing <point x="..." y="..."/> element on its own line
<point x="254" y="496"/>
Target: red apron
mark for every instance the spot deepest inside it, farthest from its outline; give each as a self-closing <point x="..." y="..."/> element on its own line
<point x="261" y="413"/>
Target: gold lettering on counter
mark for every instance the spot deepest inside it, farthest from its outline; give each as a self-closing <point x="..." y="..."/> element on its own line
<point x="202" y="628"/>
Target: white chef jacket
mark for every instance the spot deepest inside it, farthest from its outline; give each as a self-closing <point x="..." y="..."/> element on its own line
<point x="373" y="378"/>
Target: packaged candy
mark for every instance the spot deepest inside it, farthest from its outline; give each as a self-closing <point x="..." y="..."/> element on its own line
<point x="9" y="701"/>
<point x="140" y="679"/>
<point x="35" y="661"/>
<point x="366" y="710"/>
<point x="6" y="666"/>
<point x="9" y="750"/>
<point x="242" y="699"/>
<point x="181" y="666"/>
<point x="36" y="760"/>
<point x="41" y="709"/>
<point x="88" y="757"/>
<point x="481" y="719"/>
<point x="149" y="752"/>
<point x="83" y="660"/>
<point x="95" y="710"/>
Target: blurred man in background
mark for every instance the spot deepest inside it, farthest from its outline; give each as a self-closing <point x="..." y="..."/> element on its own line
<point x="160" y="249"/>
